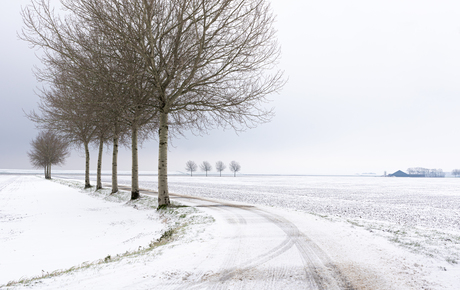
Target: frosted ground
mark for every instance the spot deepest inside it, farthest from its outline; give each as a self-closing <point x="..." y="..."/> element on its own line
<point x="384" y="233"/>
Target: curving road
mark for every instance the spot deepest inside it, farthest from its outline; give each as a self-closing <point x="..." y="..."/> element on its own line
<point x="259" y="250"/>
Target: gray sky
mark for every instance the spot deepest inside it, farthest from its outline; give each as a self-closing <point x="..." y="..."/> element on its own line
<point x="373" y="86"/>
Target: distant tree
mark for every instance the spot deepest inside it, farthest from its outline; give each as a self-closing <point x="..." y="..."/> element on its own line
<point x="220" y="166"/>
<point x="456" y="172"/>
<point x="436" y="173"/>
<point x="190" y="166"/>
<point x="48" y="149"/>
<point x="234" y="167"/>
<point x="206" y="166"/>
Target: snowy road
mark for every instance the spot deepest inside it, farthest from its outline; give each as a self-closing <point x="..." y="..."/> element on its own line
<point x="261" y="250"/>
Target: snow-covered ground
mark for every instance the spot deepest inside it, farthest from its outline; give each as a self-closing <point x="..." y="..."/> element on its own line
<point x="372" y="233"/>
<point x="46" y="226"/>
<point x="419" y="214"/>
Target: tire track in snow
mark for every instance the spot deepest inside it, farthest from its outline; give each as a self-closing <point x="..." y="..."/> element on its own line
<point x="230" y="261"/>
<point x="320" y="269"/>
<point x="320" y="272"/>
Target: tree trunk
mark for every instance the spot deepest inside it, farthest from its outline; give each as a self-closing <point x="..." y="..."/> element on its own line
<point x="99" y="165"/>
<point x="135" y="165"/>
<point x="87" y="183"/>
<point x="49" y="171"/>
<point x="163" y="194"/>
<point x="114" y="165"/>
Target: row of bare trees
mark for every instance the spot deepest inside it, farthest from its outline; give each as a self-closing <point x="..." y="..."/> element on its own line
<point x="128" y="70"/>
<point x="191" y="167"/>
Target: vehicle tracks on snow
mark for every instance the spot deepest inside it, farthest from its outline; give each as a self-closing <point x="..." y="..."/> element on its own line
<point x="238" y="270"/>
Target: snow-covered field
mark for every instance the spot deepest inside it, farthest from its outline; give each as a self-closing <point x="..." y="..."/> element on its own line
<point x="382" y="233"/>
<point x="426" y="202"/>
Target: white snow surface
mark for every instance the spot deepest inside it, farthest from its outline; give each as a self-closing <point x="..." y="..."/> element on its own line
<point x="46" y="226"/>
<point x="379" y="233"/>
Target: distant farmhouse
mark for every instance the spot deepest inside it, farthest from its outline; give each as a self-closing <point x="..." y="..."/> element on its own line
<point x="399" y="173"/>
<point x="419" y="172"/>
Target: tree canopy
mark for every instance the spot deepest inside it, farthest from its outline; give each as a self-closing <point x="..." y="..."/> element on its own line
<point x="48" y="149"/>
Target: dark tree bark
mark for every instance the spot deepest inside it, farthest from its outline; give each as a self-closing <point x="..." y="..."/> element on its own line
<point x="87" y="180"/>
<point x="99" y="164"/>
<point x="135" y="166"/>
<point x="115" y="165"/>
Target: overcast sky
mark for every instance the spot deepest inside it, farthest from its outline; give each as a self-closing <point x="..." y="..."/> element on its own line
<point x="373" y="86"/>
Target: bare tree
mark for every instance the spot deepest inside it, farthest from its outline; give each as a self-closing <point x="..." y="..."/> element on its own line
<point x="205" y="166"/>
<point x="234" y="167"/>
<point x="220" y="166"/>
<point x="191" y="166"/>
<point x="48" y="149"/>
<point x="456" y="172"/>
